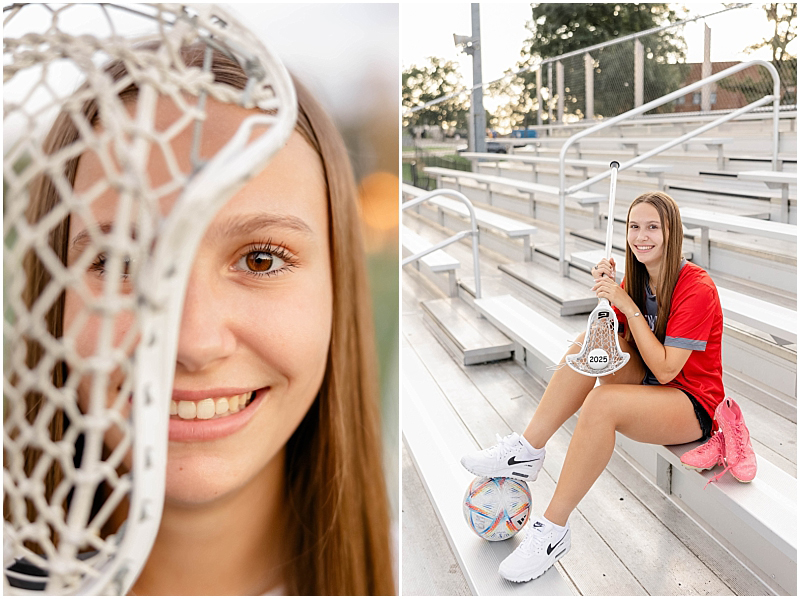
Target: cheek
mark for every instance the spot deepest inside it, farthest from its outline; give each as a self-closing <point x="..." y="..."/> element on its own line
<point x="289" y="327"/>
<point x="292" y="335"/>
<point x="82" y="327"/>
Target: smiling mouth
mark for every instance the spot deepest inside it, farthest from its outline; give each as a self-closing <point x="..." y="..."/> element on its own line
<point x="211" y="408"/>
<point x="644" y="248"/>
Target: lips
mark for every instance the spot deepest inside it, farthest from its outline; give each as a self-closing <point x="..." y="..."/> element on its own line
<point x="192" y="420"/>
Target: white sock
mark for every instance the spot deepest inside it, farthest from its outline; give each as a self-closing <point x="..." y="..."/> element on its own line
<point x="528" y="446"/>
<point x="553" y="524"/>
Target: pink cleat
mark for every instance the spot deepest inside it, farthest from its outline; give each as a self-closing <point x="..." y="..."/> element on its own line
<point x="706" y="456"/>
<point x="739" y="455"/>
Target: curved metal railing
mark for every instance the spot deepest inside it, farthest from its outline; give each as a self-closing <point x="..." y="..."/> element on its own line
<point x="563" y="191"/>
<point x="473" y="232"/>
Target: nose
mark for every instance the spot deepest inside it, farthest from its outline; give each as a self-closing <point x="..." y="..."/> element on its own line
<point x="205" y="335"/>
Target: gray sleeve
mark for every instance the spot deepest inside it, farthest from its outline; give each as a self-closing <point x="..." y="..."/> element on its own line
<point x="685" y="343"/>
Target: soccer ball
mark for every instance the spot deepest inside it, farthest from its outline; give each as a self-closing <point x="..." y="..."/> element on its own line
<point x="496" y="508"/>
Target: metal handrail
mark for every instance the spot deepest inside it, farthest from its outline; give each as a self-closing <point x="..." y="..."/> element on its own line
<point x="563" y="191"/>
<point x="473" y="232"/>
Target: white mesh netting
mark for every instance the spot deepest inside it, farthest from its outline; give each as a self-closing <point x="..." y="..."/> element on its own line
<point x="85" y="278"/>
<point x="601" y="334"/>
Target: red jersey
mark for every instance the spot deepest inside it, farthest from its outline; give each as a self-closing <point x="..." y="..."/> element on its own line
<point x="695" y="323"/>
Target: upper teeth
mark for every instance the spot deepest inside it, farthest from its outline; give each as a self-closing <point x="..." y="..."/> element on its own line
<point x="208" y="408"/>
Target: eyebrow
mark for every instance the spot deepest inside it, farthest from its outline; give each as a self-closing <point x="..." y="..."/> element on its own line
<point x="84" y="238"/>
<point x="237" y="226"/>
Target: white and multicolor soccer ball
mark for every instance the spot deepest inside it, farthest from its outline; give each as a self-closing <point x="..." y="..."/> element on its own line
<point x="497" y="508"/>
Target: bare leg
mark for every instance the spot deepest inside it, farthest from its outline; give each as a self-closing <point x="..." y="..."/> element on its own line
<point x="568" y="389"/>
<point x="661" y="415"/>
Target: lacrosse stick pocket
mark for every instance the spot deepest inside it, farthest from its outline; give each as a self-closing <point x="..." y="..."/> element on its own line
<point x="601" y="353"/>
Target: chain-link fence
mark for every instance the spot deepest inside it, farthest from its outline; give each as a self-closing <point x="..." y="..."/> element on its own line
<point x="612" y="78"/>
<point x="414" y="167"/>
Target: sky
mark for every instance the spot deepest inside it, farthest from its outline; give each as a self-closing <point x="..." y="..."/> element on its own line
<point x="427" y="30"/>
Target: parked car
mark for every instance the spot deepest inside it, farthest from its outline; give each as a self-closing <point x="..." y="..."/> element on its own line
<point x="496" y="147"/>
<point x="524" y="133"/>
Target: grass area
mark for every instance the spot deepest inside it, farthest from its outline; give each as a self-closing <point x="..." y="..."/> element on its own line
<point x="452" y="161"/>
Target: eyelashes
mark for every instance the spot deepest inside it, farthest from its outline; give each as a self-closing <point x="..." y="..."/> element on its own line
<point x="98" y="266"/>
<point x="265" y="259"/>
<point x="260" y="259"/>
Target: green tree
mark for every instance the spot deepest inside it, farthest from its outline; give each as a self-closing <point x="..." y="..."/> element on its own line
<point x="559" y="28"/>
<point x="423" y="84"/>
<point x="784" y="30"/>
<point x="756" y="82"/>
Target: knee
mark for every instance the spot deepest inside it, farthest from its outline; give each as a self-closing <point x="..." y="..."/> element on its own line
<point x="599" y="407"/>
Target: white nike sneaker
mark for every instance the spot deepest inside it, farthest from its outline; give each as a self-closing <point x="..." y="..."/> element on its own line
<point x="509" y="458"/>
<point x="542" y="546"/>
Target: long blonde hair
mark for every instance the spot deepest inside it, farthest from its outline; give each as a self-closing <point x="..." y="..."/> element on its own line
<point x="338" y="512"/>
<point x="636" y="276"/>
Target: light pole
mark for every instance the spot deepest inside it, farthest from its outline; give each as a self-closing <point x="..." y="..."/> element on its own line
<point x="472" y="46"/>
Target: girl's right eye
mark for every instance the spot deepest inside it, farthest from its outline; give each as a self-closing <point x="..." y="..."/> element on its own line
<point x="99" y="266"/>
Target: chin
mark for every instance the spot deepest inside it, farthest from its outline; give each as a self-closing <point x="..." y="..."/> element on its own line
<point x="649" y="259"/>
<point x="202" y="477"/>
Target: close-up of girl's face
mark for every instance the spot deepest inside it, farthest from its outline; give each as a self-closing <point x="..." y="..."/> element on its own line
<point x="646" y="236"/>
<point x="256" y="325"/>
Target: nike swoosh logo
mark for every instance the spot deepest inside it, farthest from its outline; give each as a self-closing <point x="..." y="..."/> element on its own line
<point x="513" y="461"/>
<point x="551" y="547"/>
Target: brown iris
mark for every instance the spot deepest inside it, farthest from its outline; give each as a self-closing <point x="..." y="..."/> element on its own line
<point x="259" y="261"/>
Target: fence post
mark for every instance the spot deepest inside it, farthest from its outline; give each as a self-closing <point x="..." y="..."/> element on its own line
<point x="705" y="92"/>
<point x="588" y="69"/>
<point x="560" y="91"/>
<point x="550" y="93"/>
<point x="638" y="73"/>
<point x="539" y="96"/>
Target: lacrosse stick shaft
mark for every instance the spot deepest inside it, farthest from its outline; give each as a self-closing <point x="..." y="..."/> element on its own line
<point x="611" y="197"/>
<point x="612" y="192"/>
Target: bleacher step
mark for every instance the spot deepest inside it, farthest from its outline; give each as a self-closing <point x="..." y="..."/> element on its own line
<point x="572" y="297"/>
<point x="716" y="188"/>
<point x="598" y="236"/>
<point x="736" y="511"/>
<point x="436" y="440"/>
<point x="466" y="335"/>
<point x="544" y="342"/>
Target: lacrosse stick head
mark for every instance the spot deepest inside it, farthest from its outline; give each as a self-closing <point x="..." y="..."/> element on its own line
<point x="600" y="354"/>
<point x="86" y="414"/>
